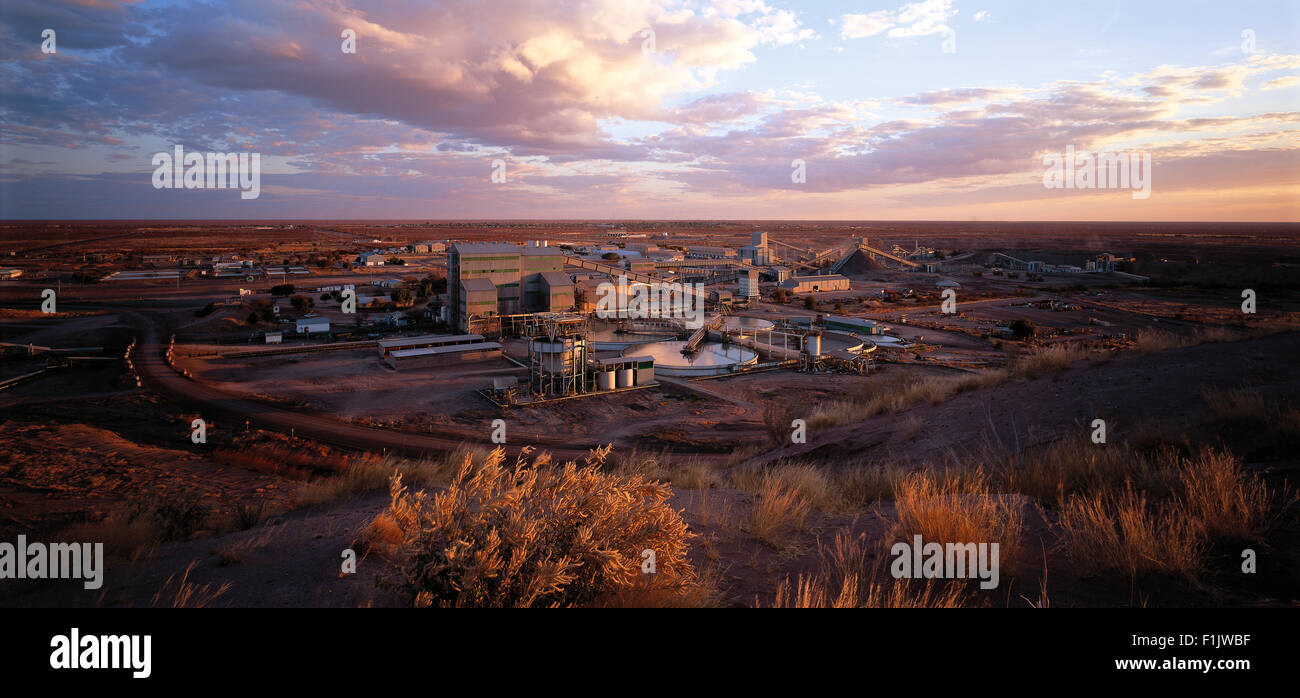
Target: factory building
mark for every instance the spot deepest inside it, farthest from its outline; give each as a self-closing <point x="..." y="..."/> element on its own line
<point x="757" y="252"/>
<point x="853" y="324"/>
<point x="749" y="284"/>
<point x="388" y="346"/>
<point x="430" y="357"/>
<point x="313" y="325"/>
<point x="821" y="282"/>
<point x="513" y="271"/>
<point x="474" y="297"/>
<point x="556" y="291"/>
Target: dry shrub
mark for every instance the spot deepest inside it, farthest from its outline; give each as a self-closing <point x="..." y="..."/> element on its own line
<point x="777" y="419"/>
<point x="778" y="511"/>
<point x="537" y="534"/>
<point x="950" y="507"/>
<point x="1105" y="533"/>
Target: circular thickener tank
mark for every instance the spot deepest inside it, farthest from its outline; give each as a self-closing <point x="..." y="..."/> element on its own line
<point x="741" y="325"/>
<point x="605" y="380"/>
<point x="625" y="378"/>
<point x="711" y="359"/>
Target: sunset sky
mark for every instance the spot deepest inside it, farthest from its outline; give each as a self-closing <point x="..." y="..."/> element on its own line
<point x="941" y="109"/>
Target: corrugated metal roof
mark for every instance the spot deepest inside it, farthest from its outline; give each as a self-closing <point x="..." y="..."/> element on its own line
<point x="435" y="338"/>
<point x="454" y="349"/>
<point x="478" y="284"/>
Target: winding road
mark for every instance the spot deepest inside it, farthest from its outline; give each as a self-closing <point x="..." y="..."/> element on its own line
<point x="149" y="361"/>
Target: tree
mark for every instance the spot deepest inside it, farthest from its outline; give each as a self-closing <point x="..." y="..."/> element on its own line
<point x="282" y="290"/>
<point x="402" y="296"/>
<point x="302" y="303"/>
<point x="1023" y="329"/>
<point x="611" y="256"/>
<point x="810" y="302"/>
<point x="252" y="318"/>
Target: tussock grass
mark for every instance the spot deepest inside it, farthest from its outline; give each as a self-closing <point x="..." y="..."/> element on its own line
<point x="959" y="509"/>
<point x="1215" y="501"/>
<point x="847" y="579"/>
<point x="1077" y="465"/>
<point x="1105" y="533"/>
<point x="538" y="534"/>
<point x="1237" y="408"/>
<point x="864" y="484"/>
<point x="1225" y="502"/>
<point x="1051" y="359"/>
<point x="779" y="510"/>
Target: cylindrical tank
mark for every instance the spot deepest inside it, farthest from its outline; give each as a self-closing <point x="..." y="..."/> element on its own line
<point x="559" y="356"/>
<point x="813" y="344"/>
<point x="625" y="378"/>
<point x="605" y="380"/>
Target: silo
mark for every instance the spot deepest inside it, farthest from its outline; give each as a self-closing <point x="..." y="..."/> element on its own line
<point x="605" y="380"/>
<point x="625" y="378"/>
<point x="812" y="344"/>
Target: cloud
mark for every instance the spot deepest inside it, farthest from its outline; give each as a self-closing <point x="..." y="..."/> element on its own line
<point x="913" y="19"/>
<point x="1281" y="83"/>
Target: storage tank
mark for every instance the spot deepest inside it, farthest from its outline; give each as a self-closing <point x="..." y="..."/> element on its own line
<point x="813" y="344"/>
<point x="625" y="378"/>
<point x="605" y="380"/>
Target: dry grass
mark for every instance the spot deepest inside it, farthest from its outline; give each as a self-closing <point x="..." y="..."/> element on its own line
<point x="1051" y="359"/>
<point x="297" y="461"/>
<point x="1103" y="533"/>
<point x="861" y="485"/>
<point x="1076" y="465"/>
<point x="848" y="580"/>
<point x="1237" y="408"/>
<point x="538" y="534"/>
<point x="779" y="511"/>
<point x="180" y="593"/>
<point x="371" y="473"/>
<point x="898" y="394"/>
<point x="945" y="508"/>
<point x="688" y="474"/>
<point x="1225" y="502"/>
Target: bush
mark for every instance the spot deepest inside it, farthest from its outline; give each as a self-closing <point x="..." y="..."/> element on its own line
<point x="205" y="310"/>
<point x="536" y="534"/>
<point x="1023" y="329"/>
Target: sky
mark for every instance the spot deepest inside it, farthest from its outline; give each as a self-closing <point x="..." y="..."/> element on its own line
<point x="652" y="109"/>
